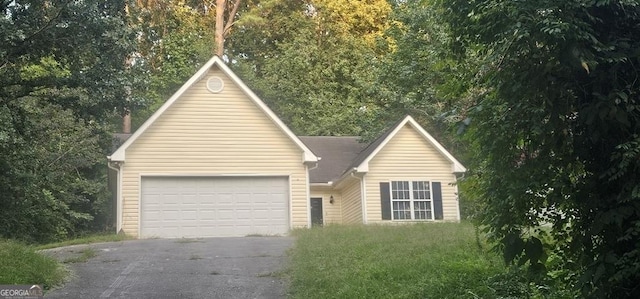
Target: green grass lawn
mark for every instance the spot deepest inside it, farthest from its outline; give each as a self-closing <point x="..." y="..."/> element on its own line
<point x="431" y="260"/>
<point x="21" y="264"/>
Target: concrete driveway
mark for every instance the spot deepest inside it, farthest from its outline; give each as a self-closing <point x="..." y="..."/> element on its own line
<point x="248" y="267"/>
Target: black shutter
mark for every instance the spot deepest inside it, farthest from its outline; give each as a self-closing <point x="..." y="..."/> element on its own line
<point x="385" y="201"/>
<point x="437" y="200"/>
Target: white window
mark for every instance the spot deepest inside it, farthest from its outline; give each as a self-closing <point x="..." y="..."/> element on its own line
<point x="411" y="200"/>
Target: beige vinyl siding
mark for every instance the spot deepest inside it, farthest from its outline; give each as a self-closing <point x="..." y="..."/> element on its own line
<point x="332" y="213"/>
<point x="213" y="134"/>
<point x="352" y="202"/>
<point x="408" y="157"/>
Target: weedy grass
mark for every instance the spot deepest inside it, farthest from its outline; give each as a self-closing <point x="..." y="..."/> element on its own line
<point x="95" y="238"/>
<point x="430" y="260"/>
<point x="195" y="257"/>
<point x="83" y="256"/>
<point x="188" y="240"/>
<point x="22" y="264"/>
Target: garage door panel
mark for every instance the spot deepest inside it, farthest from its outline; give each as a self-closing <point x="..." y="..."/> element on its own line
<point x="204" y="215"/>
<point x="154" y="216"/>
<point x="187" y="215"/>
<point x="213" y="206"/>
<point x="224" y="199"/>
<point x="193" y="199"/>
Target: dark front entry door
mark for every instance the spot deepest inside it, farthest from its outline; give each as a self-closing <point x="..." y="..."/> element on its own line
<point x="316" y="211"/>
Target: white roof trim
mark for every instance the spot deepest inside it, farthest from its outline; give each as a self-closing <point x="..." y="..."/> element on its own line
<point x="456" y="166"/>
<point x="119" y="154"/>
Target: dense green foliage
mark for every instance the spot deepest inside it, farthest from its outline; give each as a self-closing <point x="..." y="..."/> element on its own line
<point x="314" y="62"/>
<point x="556" y="137"/>
<point x="174" y="38"/>
<point x="61" y="76"/>
<point x="21" y="264"/>
<point x="440" y="260"/>
<point x="421" y="77"/>
<point x="543" y="96"/>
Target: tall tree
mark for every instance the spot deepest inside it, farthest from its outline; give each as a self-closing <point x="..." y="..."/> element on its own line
<point x="174" y="37"/>
<point x="423" y="77"/>
<point x="557" y="138"/>
<point x="315" y="69"/>
<point x="61" y="77"/>
<point x="260" y="28"/>
<point x="226" y="11"/>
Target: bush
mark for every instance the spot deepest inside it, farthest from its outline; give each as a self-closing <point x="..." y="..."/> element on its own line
<point x="21" y="264"/>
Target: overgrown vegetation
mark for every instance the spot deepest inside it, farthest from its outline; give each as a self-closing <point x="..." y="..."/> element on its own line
<point x="434" y="260"/>
<point x="555" y="139"/>
<point x="81" y="256"/>
<point x="538" y="98"/>
<point x="94" y="238"/>
<point x="62" y="78"/>
<point x="21" y="264"/>
<point x="25" y="264"/>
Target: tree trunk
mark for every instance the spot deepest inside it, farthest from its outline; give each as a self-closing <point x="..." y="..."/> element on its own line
<point x="219" y="37"/>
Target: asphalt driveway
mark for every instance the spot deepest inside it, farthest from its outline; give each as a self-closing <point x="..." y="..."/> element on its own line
<point x="246" y="267"/>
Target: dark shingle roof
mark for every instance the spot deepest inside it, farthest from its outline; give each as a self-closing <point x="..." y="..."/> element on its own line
<point x="336" y="153"/>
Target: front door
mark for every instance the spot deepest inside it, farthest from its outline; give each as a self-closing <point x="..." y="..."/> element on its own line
<point x="316" y="211"/>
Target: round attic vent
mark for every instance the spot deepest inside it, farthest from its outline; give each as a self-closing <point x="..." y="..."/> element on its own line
<point x="215" y="84"/>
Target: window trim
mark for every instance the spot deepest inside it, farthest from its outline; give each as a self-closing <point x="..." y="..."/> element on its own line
<point x="411" y="199"/>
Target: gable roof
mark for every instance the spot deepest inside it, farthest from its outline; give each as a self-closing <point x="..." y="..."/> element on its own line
<point x="344" y="155"/>
<point x="308" y="155"/>
<point x="361" y="162"/>
<point x="336" y="153"/>
<point x="366" y="152"/>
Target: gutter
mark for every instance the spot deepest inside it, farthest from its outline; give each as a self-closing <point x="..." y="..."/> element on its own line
<point x="327" y="184"/>
<point x="315" y="165"/>
<point x="118" y="191"/>
<point x="344" y="176"/>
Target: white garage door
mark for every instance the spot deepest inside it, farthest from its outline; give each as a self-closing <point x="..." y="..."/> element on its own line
<point x="213" y="206"/>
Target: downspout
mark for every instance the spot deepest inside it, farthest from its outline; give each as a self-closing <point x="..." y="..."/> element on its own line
<point x="363" y="195"/>
<point x="118" y="193"/>
<point x="308" y="199"/>
<point x="458" y="194"/>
